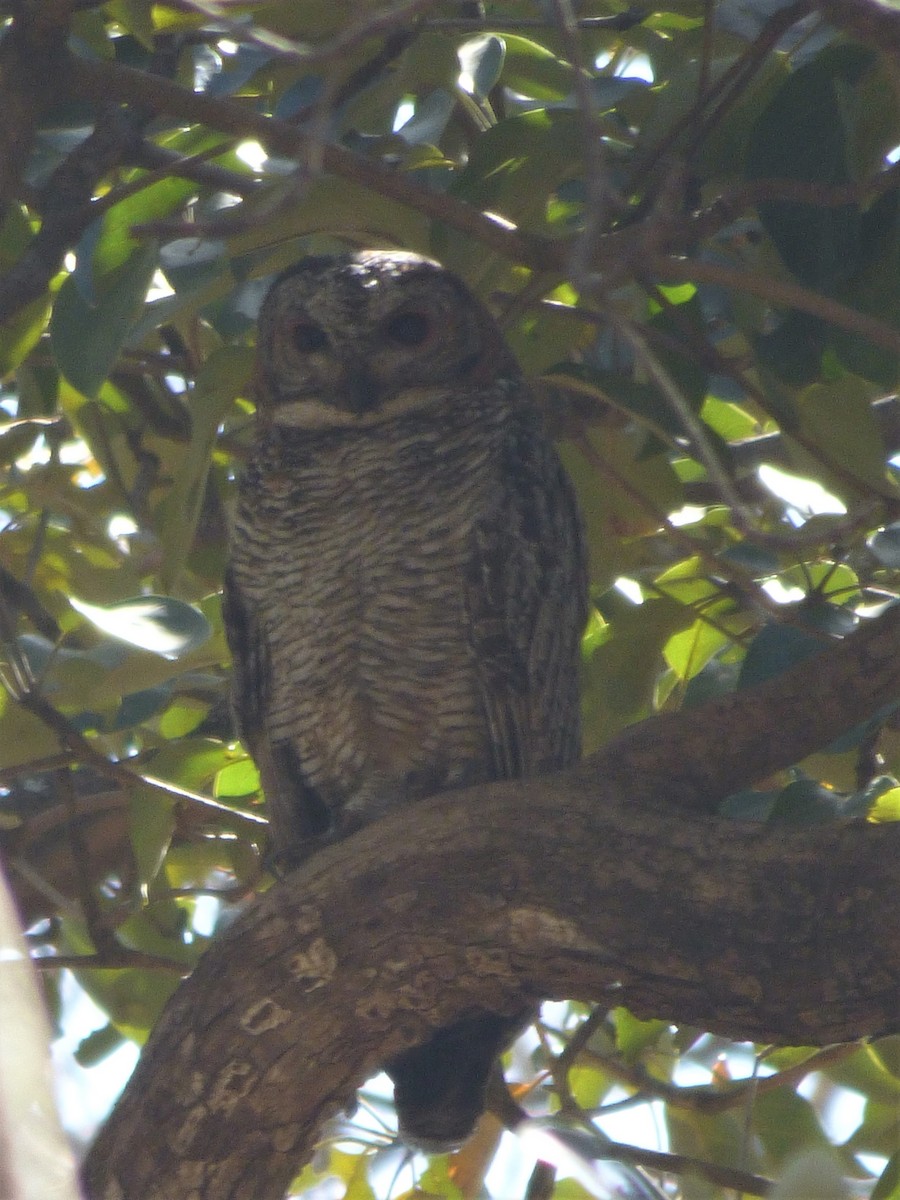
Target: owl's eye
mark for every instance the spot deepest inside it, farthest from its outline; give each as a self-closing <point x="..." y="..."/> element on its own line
<point x="409" y="328"/>
<point x="308" y="338"/>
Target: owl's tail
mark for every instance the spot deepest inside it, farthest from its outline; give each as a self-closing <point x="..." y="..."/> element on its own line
<point x="439" y="1087"/>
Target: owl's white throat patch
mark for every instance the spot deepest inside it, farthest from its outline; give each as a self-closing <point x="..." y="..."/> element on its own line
<point x="313" y="413"/>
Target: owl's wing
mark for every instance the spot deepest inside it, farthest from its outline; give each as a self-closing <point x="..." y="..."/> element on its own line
<point x="297" y="813"/>
<point x="251" y="669"/>
<point x="526" y="593"/>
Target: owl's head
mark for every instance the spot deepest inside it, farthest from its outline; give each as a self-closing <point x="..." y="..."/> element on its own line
<point x="360" y="338"/>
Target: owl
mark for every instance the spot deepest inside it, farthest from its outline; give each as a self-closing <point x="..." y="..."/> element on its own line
<point x="406" y="587"/>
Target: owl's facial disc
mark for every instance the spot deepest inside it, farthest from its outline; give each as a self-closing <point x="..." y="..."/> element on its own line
<point x="328" y="380"/>
<point x="360" y="340"/>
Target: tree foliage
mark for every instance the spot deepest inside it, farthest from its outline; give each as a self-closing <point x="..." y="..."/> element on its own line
<point x="686" y="218"/>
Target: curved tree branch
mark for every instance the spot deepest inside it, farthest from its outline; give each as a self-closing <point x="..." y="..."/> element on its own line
<point x="585" y="884"/>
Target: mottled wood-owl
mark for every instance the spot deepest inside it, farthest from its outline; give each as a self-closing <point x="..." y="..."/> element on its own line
<point x="406" y="588"/>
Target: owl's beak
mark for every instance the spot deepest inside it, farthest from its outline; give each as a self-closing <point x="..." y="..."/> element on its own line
<point x="359" y="392"/>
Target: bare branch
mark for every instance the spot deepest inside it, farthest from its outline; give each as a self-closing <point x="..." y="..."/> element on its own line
<point x="779" y="292"/>
<point x="676" y="915"/>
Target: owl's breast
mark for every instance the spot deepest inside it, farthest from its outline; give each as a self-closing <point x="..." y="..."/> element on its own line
<point x="354" y="560"/>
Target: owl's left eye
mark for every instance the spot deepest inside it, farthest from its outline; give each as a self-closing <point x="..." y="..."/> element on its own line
<point x="409" y="328"/>
<point x="308" y="337"/>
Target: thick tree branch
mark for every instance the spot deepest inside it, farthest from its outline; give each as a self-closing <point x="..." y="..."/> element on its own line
<point x="101" y="82"/>
<point x="586" y="884"/>
<point x="868" y="20"/>
<point x="760" y="730"/>
<point x="32" y="80"/>
<point x="613" y="254"/>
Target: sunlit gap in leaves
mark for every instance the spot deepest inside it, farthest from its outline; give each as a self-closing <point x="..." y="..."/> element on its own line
<point x="74" y="453"/>
<point x="405" y="112"/>
<point x="86" y="1086"/>
<point x="630" y="589"/>
<point x="841" y="1111"/>
<point x="92" y="1062"/>
<point x="253" y="154"/>
<point x="121" y="527"/>
<point x="690" y="514"/>
<point x="159" y="288"/>
<point x="804" y="497"/>
<point x="392" y="1170"/>
<point x="627" y="66"/>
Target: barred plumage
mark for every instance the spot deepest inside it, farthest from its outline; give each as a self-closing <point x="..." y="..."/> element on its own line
<point x="406" y="590"/>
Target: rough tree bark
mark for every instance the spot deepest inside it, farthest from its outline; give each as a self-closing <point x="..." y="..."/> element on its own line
<point x="611" y="882"/>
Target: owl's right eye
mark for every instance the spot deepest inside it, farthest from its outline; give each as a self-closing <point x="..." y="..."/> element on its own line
<point x="308" y="337"/>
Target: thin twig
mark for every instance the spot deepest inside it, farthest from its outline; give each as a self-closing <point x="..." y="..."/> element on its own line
<point x="778" y="292"/>
<point x="599" y="196"/>
<point x="381" y="22"/>
<point x="690" y="422"/>
<point x="717" y="1098"/>
<point x="721" y="94"/>
<point x="100" y="80"/>
<point x="682" y="1164"/>
<point x="82" y="751"/>
<point x="116" y="958"/>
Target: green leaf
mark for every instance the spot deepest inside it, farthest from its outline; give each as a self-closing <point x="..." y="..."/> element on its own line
<point x="24" y="738"/>
<point x="729" y="420"/>
<point x="132" y="999"/>
<point x="136" y="17"/>
<point x="330" y="206"/>
<point x="182" y="718"/>
<point x="688" y="582"/>
<point x="885" y="545"/>
<point x="223" y="377"/>
<point x="571" y="1189"/>
<point x="17" y="438"/>
<point x="98" y="1045"/>
<point x="878" y="1133"/>
<point x="87" y="338"/>
<point x="888" y="1185"/>
<point x="597" y="461"/>
<point x="806" y="134"/>
<point x="481" y="60"/>
<point x="514" y="166"/>
<point x="689" y="375"/>
<point x="806" y="802"/>
<point x="838" y="419"/>
<point x="116" y="243"/>
<point x="535" y="71"/>
<point x="151" y="827"/>
<point x="633" y="1036"/>
<point x="588" y="1085"/>
<point x="865" y="1072"/>
<point x="620" y="677"/>
<point x="814" y="1171"/>
<point x="192" y="763"/>
<point x="886" y="806"/>
<point x="237" y="779"/>
<point x="785" y="1121"/>
<point x="158" y="623"/>
<point x="612" y="387"/>
<point x="774" y="649"/>
<point x="688" y="651"/>
<point x="20" y="334"/>
<point x="353" y="1171"/>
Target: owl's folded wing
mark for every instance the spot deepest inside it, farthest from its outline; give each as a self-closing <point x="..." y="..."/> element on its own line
<point x="526" y="597"/>
<point x="298" y="815"/>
